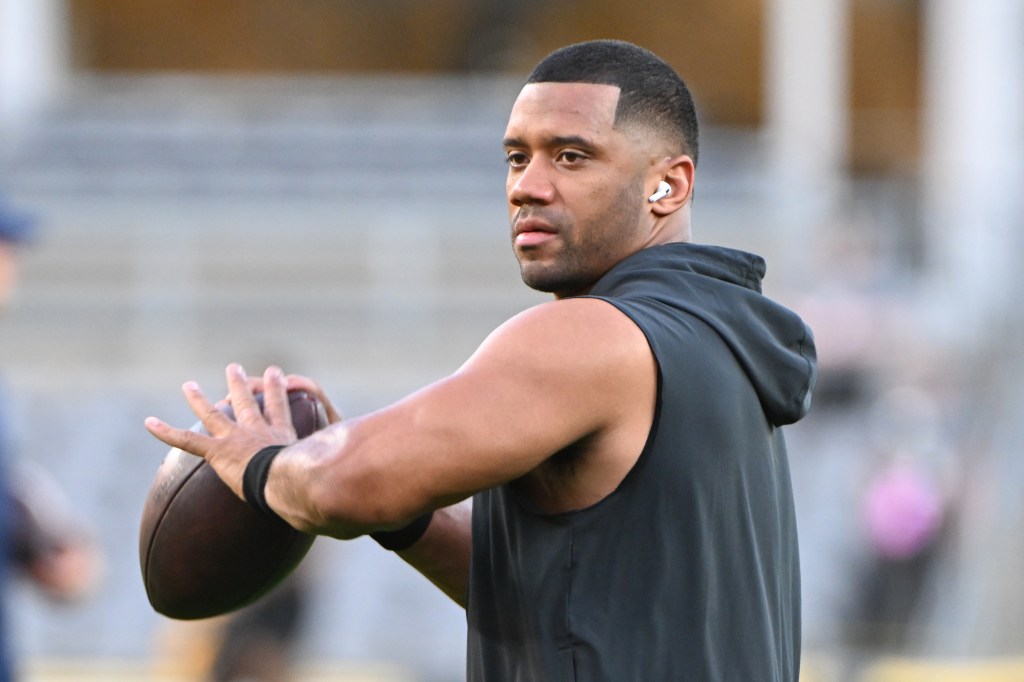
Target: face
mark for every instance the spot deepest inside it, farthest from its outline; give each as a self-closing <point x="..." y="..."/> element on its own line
<point x="575" y="185"/>
<point x="8" y="272"/>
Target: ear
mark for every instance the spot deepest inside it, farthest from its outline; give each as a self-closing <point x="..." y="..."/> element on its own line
<point x="678" y="172"/>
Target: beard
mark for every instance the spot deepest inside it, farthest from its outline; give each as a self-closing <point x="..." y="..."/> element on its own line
<point x="569" y="274"/>
<point x="586" y="251"/>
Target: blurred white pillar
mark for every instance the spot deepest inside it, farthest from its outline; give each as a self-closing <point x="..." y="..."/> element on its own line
<point x="33" y="56"/>
<point x="973" y="194"/>
<point x="974" y="159"/>
<point x="807" y="103"/>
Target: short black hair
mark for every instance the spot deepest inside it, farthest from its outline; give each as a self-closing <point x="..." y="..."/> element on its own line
<point x="651" y="92"/>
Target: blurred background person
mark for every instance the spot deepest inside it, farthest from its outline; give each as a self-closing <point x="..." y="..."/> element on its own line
<point x="41" y="538"/>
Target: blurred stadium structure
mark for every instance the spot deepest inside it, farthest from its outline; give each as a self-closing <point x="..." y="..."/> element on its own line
<point x="214" y="187"/>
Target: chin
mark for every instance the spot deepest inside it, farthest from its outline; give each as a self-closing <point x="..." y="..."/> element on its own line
<point x="537" y="283"/>
<point x="554" y="283"/>
<point x="537" y="278"/>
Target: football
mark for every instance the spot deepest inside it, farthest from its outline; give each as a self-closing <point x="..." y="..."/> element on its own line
<point x="205" y="552"/>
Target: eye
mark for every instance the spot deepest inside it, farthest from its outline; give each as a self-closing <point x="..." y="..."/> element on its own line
<point x="571" y="157"/>
<point x="516" y="159"/>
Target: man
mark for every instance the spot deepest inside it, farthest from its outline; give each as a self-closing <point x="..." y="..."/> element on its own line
<point x="41" y="538"/>
<point x="15" y="227"/>
<point x="631" y="517"/>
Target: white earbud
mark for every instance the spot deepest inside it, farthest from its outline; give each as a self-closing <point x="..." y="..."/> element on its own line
<point x="664" y="189"/>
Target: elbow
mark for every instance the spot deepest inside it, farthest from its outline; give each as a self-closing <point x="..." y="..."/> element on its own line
<point x="350" y="499"/>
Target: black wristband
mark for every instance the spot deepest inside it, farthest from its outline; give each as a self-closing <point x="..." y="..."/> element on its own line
<point x="404" y="537"/>
<point x="254" y="480"/>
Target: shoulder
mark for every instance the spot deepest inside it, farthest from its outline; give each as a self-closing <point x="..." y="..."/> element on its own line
<point x="581" y="378"/>
<point x="573" y="348"/>
<point x="578" y="329"/>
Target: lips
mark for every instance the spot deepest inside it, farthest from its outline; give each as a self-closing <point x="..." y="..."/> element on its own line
<point x="529" y="231"/>
<point x="528" y="239"/>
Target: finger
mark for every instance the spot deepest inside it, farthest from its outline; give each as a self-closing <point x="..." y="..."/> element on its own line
<point x="255" y="387"/>
<point x="213" y="420"/>
<point x="296" y="382"/>
<point x="276" y="408"/>
<point x="247" y="410"/>
<point x="184" y="439"/>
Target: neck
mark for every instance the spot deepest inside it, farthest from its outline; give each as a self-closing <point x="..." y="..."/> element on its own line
<point x="674" y="227"/>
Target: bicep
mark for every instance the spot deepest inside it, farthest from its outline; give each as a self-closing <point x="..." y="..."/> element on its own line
<point x="537" y="385"/>
<point x="511" y="406"/>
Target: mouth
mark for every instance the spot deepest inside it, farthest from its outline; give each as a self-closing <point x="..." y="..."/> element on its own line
<point x="528" y="232"/>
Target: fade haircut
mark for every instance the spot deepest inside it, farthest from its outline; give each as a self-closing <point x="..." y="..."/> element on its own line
<point x="651" y="92"/>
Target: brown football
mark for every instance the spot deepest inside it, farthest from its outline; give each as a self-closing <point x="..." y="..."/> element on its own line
<point x="205" y="552"/>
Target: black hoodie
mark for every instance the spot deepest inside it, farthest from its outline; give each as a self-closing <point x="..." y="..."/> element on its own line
<point x="689" y="570"/>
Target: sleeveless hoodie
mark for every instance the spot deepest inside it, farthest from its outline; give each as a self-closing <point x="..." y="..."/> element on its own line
<point x="689" y="569"/>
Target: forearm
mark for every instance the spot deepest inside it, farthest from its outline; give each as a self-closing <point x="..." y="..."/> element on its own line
<point x="442" y="555"/>
<point x="311" y="486"/>
<point x="344" y="482"/>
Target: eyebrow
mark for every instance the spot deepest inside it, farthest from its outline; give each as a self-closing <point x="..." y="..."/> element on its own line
<point x="557" y="141"/>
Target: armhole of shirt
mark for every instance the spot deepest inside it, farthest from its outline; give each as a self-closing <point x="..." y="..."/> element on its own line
<point x="652" y="433"/>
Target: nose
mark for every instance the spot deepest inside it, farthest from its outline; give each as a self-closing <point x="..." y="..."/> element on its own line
<point x="531" y="184"/>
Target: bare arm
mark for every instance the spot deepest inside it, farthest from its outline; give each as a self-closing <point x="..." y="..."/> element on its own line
<point x="550" y="377"/>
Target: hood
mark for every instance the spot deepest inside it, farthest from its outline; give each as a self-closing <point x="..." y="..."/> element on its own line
<point x="722" y="287"/>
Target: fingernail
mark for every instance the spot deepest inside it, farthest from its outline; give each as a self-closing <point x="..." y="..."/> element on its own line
<point x="190" y="386"/>
<point x="152" y="423"/>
